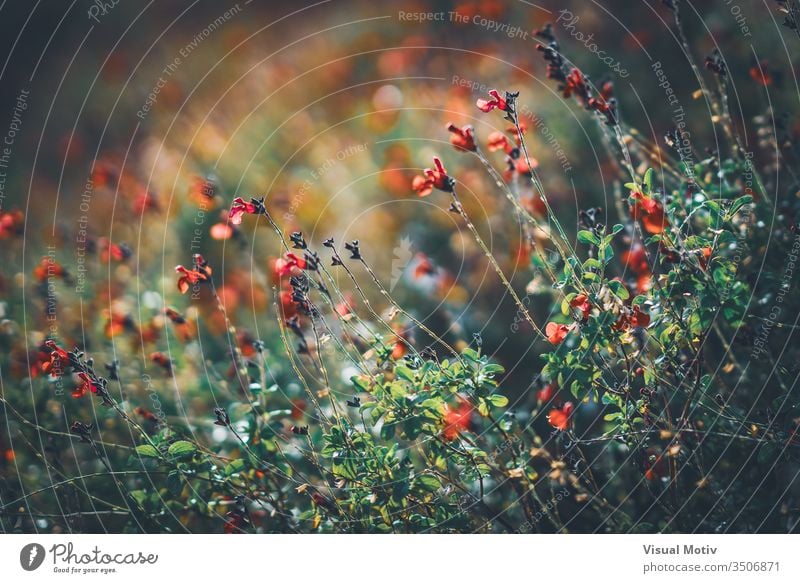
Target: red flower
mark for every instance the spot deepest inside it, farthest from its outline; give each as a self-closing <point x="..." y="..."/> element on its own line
<point x="705" y="255"/>
<point x="636" y="318"/>
<point x="498" y="141"/>
<point x="10" y="224"/>
<point x="188" y="278"/>
<point x="145" y="201"/>
<point x="655" y="466"/>
<point x="497" y="102"/>
<point x="111" y="251"/>
<point x="424" y="266"/>
<point x="560" y="418"/>
<point x="457" y="420"/>
<point x="298" y="409"/>
<point x="760" y="73"/>
<point x="87" y="384"/>
<point x="650" y="212"/>
<point x="239" y="208"/>
<point x="437" y="178"/>
<point x="49" y="267"/>
<point x="235" y="522"/>
<point x="556" y="332"/>
<point x="546" y="393"/>
<point x="284" y="266"/>
<point x="162" y="360"/>
<point x="581" y="301"/>
<point x="58" y="359"/>
<point x="635" y="259"/>
<point x="462" y="138"/>
<point x="575" y="84"/>
<point x="223" y="230"/>
<point x="117" y="323"/>
<point x="521" y="166"/>
<point x="639" y="319"/>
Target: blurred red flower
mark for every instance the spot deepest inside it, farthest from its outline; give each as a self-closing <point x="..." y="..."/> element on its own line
<point x="650" y="212"/>
<point x="560" y="417"/>
<point x="431" y="179"/>
<point x="462" y="138"/>
<point x="188" y="278"/>
<point x="497" y="102"/>
<point x="556" y="333"/>
<point x="457" y="420"/>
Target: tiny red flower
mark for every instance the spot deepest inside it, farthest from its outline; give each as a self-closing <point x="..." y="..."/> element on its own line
<point x="457" y="420"/>
<point x="145" y="201"/>
<point x="11" y="223"/>
<point x="462" y="138"/>
<point x="639" y="319"/>
<point x="424" y="266"/>
<point x="49" y="267"/>
<point x="188" y="278"/>
<point x="431" y="179"/>
<point x="399" y="350"/>
<point x="581" y="301"/>
<point x="575" y="84"/>
<point x="298" y="409"/>
<point x="111" y="251"/>
<point x="556" y="333"/>
<point x="650" y="212"/>
<point x="59" y="358"/>
<point x="87" y="384"/>
<point x="761" y="74"/>
<point x="497" y="102"/>
<point x="560" y="418"/>
<point x="239" y="208"/>
<point x="162" y="360"/>
<point x="498" y="141"/>
<point x="546" y="393"/>
<point x="285" y="265"/>
<point x="635" y="259"/>
<point x="705" y="255"/>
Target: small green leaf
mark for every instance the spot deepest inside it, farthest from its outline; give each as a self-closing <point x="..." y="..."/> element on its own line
<point x="499" y="400"/>
<point x="147" y="451"/>
<point x="404" y="372"/>
<point x="182" y="449"/>
<point x="588" y="238"/>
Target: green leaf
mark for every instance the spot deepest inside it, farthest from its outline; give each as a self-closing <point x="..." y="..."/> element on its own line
<point x="404" y="372"/>
<point x="648" y="181"/>
<point x="182" y="449"/>
<point x="147" y="451"/>
<point x="588" y="238"/>
<point x="470" y="354"/>
<point x="235" y="467"/>
<point x="738" y="204"/>
<point x="499" y="400"/>
<point x="490" y="369"/>
<point x="428" y="482"/>
<point x="606" y="254"/>
<point x="619" y="289"/>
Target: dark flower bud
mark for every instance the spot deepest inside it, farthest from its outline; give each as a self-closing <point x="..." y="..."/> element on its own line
<point x="298" y="241"/>
<point x="82" y="430"/>
<point x="353" y="248"/>
<point x="222" y="417"/>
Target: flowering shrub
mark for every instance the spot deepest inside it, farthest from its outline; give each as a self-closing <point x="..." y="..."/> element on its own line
<point x="657" y="404"/>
